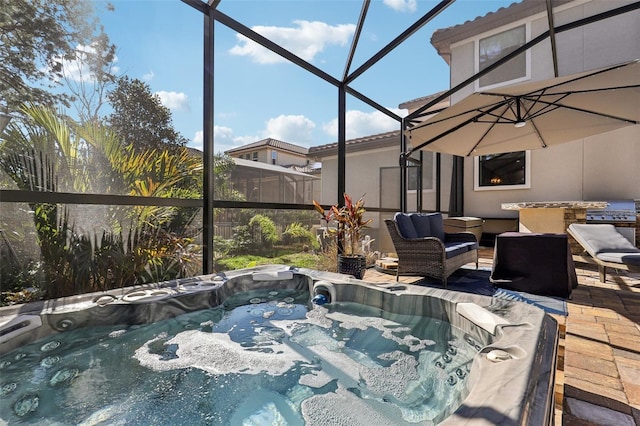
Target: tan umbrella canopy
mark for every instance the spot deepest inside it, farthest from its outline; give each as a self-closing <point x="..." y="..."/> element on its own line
<point x="535" y="115"/>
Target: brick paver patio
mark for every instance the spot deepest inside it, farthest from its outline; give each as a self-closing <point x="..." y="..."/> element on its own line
<point x="598" y="373"/>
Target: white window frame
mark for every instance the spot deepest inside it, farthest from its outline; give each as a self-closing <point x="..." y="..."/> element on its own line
<point x="476" y="52"/>
<point x="527" y="176"/>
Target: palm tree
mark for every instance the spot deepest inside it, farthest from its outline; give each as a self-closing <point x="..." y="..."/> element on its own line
<point x="51" y="153"/>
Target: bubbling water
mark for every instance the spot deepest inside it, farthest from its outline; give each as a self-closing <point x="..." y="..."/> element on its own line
<point x="263" y="357"/>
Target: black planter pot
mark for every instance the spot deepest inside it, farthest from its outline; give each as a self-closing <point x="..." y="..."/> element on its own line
<point x="352" y="265"/>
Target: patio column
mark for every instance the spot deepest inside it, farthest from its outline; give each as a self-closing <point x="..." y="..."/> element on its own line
<point x="342" y="149"/>
<point x="207" y="130"/>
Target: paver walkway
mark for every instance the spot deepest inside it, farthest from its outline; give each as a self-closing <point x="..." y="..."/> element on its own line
<point x="598" y="373"/>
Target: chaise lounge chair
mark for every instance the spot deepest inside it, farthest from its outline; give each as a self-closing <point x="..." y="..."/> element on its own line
<point x="606" y="247"/>
<point x="424" y="249"/>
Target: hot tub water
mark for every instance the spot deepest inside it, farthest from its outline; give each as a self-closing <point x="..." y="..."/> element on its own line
<point x="263" y="357"/>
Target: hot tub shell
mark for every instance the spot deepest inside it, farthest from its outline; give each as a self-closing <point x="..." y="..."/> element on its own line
<point x="511" y="381"/>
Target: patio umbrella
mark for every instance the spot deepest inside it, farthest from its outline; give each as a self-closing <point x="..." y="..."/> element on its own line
<point x="535" y="115"/>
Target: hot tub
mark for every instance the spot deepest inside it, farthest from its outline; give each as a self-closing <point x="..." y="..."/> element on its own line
<point x="508" y="380"/>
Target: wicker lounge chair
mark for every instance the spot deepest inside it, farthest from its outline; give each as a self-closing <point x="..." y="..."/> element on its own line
<point x="424" y="249"/>
<point x="605" y="247"/>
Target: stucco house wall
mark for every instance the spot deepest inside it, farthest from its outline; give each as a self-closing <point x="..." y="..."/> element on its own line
<point x="363" y="178"/>
<point x="374" y="172"/>
<point x="601" y="167"/>
<point x="285" y="158"/>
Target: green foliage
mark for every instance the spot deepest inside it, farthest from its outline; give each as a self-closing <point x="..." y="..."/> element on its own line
<point x="296" y="233"/>
<point x="223" y="166"/>
<point x="92" y="78"/>
<point x="242" y="241"/>
<point x="258" y="236"/>
<point x="222" y="247"/>
<point x="140" y="244"/>
<point x="74" y="263"/>
<point x="263" y="230"/>
<point x="300" y="260"/>
<point x="19" y="284"/>
<point x="35" y="37"/>
<point x="139" y="118"/>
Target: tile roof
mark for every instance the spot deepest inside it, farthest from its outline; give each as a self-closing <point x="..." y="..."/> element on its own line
<point x="418" y="102"/>
<point x="284" y="146"/>
<point x="358" y="144"/>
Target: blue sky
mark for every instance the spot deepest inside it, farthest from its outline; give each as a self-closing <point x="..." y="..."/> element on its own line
<point x="258" y="95"/>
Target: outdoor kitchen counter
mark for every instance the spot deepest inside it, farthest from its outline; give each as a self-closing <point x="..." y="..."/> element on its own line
<point x="553" y="216"/>
<point x="555" y="205"/>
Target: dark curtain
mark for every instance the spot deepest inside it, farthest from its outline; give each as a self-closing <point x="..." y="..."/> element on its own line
<point x="456" y="198"/>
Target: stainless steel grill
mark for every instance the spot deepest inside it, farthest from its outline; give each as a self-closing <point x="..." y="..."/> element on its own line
<point x="620" y="213"/>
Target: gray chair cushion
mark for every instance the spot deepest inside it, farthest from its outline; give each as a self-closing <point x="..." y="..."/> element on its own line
<point x="405" y="225"/>
<point x="617" y="257"/>
<point x="598" y="239"/>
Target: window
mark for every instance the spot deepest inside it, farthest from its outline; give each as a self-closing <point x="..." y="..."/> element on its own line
<point x="427" y="173"/>
<point x="511" y="170"/>
<point x="255" y="156"/>
<point x="274" y="157"/>
<point x="412" y="178"/>
<point x="496" y="46"/>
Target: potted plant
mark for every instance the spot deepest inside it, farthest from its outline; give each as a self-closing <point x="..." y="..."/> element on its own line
<point x="349" y="223"/>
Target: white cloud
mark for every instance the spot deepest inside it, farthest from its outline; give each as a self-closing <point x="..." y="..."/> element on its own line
<point x="78" y="69"/>
<point x="196" y="142"/>
<point x="244" y="140"/>
<point x="222" y="135"/>
<point x="223" y="139"/>
<point x="148" y="76"/>
<point x="295" y="129"/>
<point x="361" y="124"/>
<point x="306" y="40"/>
<point x="402" y="5"/>
<point x="174" y="101"/>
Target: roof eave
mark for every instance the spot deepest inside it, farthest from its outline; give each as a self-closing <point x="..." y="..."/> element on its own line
<point x="442" y="39"/>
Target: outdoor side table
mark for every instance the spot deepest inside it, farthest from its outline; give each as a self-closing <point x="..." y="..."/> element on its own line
<point x="534" y="263"/>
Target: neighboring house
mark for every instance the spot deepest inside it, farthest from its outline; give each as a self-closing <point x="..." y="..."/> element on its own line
<point x="272" y="151"/>
<point x="602" y="167"/>
<point x="284" y="173"/>
<point x="270" y="183"/>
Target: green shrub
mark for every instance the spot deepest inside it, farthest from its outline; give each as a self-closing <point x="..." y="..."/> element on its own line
<point x="296" y="233"/>
<point x="263" y="231"/>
